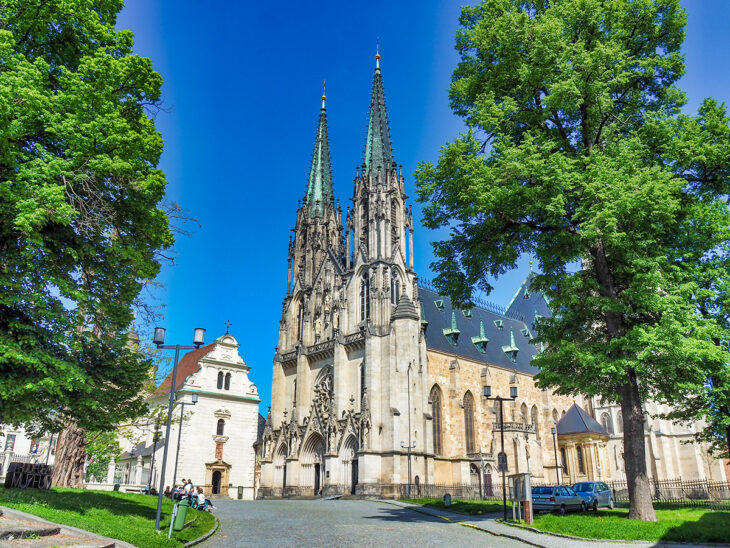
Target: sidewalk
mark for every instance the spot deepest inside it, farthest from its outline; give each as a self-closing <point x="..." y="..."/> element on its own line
<point x="489" y="524"/>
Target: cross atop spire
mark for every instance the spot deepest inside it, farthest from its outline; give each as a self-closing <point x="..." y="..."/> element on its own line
<point x="319" y="190"/>
<point x="378" y="150"/>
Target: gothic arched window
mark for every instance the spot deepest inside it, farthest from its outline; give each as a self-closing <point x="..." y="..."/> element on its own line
<point x="220" y="427"/>
<point x="469" y="422"/>
<point x="364" y="298"/>
<point x="523" y="413"/>
<point x="564" y="459"/>
<point x="228" y="381"/>
<point x="607" y="422"/>
<point x="579" y="454"/>
<point x="436" y="405"/>
<point x="533" y="418"/>
<point x="394" y="289"/>
<point x="220" y="380"/>
<point x="619" y="422"/>
<point x="300" y="321"/>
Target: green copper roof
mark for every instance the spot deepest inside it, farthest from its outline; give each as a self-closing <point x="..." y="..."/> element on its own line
<point x="319" y="190"/>
<point x="378" y="151"/>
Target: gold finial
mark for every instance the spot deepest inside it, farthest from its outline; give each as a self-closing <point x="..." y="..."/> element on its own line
<point x="324" y="95"/>
<point x="530" y="266"/>
<point x="377" y="53"/>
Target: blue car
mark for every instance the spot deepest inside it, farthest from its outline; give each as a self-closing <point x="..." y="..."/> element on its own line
<point x="595" y="493"/>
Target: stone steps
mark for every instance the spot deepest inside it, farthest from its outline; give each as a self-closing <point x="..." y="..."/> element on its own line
<point x="18" y="529"/>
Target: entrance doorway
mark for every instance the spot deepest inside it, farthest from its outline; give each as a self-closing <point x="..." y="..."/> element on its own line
<point x="216" y="482"/>
<point x="354" y="476"/>
<point x="317" y="483"/>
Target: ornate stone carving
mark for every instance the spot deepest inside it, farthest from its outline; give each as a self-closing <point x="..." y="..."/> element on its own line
<point x="324" y="393"/>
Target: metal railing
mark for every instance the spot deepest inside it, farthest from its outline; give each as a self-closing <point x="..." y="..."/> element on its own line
<point x="714" y="494"/>
<point x="463" y="491"/>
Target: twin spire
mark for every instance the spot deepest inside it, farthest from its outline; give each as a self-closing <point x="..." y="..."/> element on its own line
<point x="378" y="149"/>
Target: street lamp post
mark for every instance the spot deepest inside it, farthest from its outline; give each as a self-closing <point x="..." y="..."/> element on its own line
<point x="155" y="439"/>
<point x="502" y="459"/>
<point x="159" y="340"/>
<point x="555" y="450"/>
<point x="179" y="434"/>
<point x="411" y="445"/>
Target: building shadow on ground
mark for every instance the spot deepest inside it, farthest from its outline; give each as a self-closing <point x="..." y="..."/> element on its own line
<point x="713" y="526"/>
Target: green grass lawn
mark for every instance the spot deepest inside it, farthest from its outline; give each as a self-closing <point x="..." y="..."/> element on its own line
<point x="467" y="507"/>
<point x="123" y="516"/>
<point x="677" y="525"/>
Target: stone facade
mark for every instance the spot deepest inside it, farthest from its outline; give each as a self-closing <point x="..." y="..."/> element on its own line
<point x="378" y="381"/>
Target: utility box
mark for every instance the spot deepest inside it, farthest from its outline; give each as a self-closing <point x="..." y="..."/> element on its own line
<point x="182" y="513"/>
<point x="520" y="493"/>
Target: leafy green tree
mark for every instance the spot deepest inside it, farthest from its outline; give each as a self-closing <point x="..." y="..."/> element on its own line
<point x="101" y="448"/>
<point x="577" y="152"/>
<point x="81" y="226"/>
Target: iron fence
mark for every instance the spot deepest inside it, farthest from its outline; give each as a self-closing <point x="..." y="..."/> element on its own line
<point x="715" y="494"/>
<point x="463" y="491"/>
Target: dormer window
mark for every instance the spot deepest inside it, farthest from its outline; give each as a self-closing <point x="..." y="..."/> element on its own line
<point x="439" y="304"/>
<point x="499" y="324"/>
<point x="452" y="333"/>
<point x="467" y="313"/>
<point x="526" y="333"/>
<point x="511" y="349"/>
<point x="481" y="341"/>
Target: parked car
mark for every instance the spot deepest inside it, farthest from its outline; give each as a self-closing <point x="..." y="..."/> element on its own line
<point x="595" y="493"/>
<point x="558" y="498"/>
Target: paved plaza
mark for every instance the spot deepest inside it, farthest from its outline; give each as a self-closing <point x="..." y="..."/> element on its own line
<point x="338" y="523"/>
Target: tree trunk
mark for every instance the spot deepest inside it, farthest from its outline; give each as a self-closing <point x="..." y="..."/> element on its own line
<point x="640" y="505"/>
<point x="68" y="467"/>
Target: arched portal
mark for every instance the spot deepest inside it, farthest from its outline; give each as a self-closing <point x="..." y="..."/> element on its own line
<point x="280" y="466"/>
<point x="312" y="463"/>
<point x="348" y="457"/>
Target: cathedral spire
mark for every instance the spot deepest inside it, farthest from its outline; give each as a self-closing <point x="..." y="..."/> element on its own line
<point x="319" y="190"/>
<point x="378" y="150"/>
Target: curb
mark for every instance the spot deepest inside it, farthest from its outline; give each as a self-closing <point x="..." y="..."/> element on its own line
<point x="206" y="536"/>
<point x="420" y="510"/>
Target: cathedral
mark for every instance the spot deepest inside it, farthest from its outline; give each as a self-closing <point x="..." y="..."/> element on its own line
<point x="378" y="381"/>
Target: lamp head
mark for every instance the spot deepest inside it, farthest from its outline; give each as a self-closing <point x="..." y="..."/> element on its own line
<point x="195" y="399"/>
<point x="199" y="337"/>
<point x="552" y="430"/>
<point x="159" y="338"/>
<point x="487" y="391"/>
<point x="513" y="392"/>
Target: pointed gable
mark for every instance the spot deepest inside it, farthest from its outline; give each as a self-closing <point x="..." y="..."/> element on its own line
<point x="576" y="421"/>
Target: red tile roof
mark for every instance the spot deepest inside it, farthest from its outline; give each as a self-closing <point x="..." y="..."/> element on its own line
<point x="187" y="366"/>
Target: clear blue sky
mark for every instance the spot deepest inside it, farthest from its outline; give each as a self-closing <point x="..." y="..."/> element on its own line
<point x="242" y="82"/>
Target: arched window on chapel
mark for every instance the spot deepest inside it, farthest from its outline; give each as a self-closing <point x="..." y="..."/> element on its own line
<point x="436" y="405"/>
<point x="220" y="380"/>
<point x="469" y="422"/>
<point x="220" y="427"/>
<point x="228" y="381"/>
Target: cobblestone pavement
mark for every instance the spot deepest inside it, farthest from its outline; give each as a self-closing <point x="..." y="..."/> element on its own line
<point x="338" y="523"/>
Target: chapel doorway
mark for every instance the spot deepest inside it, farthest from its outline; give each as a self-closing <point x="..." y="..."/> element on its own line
<point x="353" y="480"/>
<point x="317" y="484"/>
<point x="216" y="482"/>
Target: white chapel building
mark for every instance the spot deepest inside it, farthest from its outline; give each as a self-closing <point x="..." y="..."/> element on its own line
<point x="218" y="432"/>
